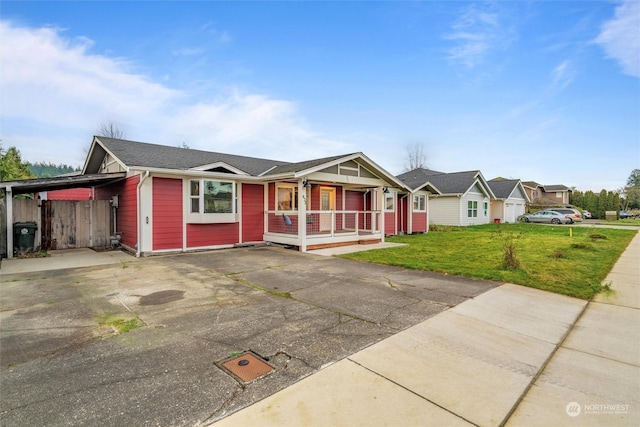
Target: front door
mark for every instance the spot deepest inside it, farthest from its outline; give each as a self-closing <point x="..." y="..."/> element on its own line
<point x="327" y="203"/>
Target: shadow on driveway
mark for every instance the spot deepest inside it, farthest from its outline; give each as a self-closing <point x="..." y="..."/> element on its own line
<point x="297" y="311"/>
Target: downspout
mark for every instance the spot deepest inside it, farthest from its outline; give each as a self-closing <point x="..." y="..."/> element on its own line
<point x="139" y="242"/>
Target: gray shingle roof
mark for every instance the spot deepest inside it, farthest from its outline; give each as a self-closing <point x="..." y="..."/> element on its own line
<point x="551" y="188"/>
<point x="134" y="153"/>
<point x="300" y="166"/>
<point x="447" y="183"/>
<point x="502" y="188"/>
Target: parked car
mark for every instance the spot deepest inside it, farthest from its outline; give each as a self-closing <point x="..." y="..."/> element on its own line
<point x="629" y="214"/>
<point x="574" y="214"/>
<point x="586" y="214"/>
<point x="548" y="216"/>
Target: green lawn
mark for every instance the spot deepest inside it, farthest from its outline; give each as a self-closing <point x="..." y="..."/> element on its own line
<point x="550" y="259"/>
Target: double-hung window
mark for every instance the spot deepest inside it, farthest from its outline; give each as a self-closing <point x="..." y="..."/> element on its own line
<point x="211" y="201"/>
<point x="472" y="209"/>
<point x="419" y="203"/>
<point x="485" y="207"/>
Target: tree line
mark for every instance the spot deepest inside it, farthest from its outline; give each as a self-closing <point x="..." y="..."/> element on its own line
<point x="12" y="167"/>
<point x="624" y="199"/>
<point x="596" y="203"/>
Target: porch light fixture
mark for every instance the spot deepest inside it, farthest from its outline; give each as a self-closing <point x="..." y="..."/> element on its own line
<point x="385" y="190"/>
<point x="306" y="183"/>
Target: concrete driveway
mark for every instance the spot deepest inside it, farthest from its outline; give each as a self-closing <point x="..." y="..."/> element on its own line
<point x="299" y="312"/>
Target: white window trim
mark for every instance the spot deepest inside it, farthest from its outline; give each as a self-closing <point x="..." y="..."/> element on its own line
<point x="294" y="196"/>
<point x="391" y="196"/>
<point x="485" y="208"/>
<point x="212" y="217"/>
<point x="423" y="197"/>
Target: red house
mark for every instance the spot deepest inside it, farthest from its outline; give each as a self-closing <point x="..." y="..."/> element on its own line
<point x="178" y="199"/>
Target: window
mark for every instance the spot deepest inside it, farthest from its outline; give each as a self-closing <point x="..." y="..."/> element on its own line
<point x="286" y="197"/>
<point x="419" y="202"/>
<point x="389" y="202"/>
<point x="485" y="207"/>
<point x="558" y="194"/>
<point x="472" y="209"/>
<point x="211" y="197"/>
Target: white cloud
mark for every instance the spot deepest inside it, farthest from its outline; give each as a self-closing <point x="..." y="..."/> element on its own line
<point x="620" y="37"/>
<point x="563" y="75"/>
<point x="56" y="93"/>
<point x="475" y="33"/>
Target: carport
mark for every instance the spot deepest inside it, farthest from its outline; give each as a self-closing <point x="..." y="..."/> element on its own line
<point x="11" y="189"/>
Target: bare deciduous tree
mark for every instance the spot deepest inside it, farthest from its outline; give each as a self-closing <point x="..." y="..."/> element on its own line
<point x="110" y="130"/>
<point x="416" y="157"/>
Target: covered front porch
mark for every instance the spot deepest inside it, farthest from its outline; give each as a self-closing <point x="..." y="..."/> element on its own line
<point x="331" y="202"/>
<point x="324" y="228"/>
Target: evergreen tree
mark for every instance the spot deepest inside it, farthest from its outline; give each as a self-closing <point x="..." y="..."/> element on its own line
<point x="12" y="167"/>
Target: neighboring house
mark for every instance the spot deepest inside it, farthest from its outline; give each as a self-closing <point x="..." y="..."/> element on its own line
<point x="547" y="194"/>
<point x="68" y="194"/>
<point x="178" y="199"/>
<point x="463" y="198"/>
<point x="412" y="212"/>
<point x="533" y="190"/>
<point x="510" y="199"/>
<point x="557" y="193"/>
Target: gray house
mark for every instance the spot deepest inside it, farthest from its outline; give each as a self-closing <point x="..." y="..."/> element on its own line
<point x="465" y="197"/>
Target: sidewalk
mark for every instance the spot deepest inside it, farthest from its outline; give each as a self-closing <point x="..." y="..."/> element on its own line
<point x="511" y="356"/>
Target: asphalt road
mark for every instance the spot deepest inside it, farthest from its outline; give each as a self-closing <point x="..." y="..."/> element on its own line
<point x="297" y="311"/>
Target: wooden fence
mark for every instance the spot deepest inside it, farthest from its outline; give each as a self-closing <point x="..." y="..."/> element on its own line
<point x="62" y="224"/>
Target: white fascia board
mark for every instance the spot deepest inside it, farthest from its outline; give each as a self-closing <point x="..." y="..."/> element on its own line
<point x="219" y="165"/>
<point x="194" y="173"/>
<point x="373" y="165"/>
<point x="427" y="184"/>
<point x="526" y="196"/>
<point x="483" y="186"/>
<point x="125" y="167"/>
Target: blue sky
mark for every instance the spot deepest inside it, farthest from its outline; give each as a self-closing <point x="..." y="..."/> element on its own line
<point x="547" y="91"/>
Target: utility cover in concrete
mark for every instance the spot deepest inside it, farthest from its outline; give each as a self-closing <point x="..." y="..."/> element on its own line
<point x="247" y="367"/>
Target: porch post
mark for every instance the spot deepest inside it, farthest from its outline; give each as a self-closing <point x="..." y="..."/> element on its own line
<point x="9" y="199"/>
<point x="381" y="208"/>
<point x="302" y="216"/>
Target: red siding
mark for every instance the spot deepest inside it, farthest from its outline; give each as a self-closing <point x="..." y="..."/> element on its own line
<point x="354" y="200"/>
<point x="105" y="193"/>
<point x="127" y="223"/>
<point x="252" y="212"/>
<point x="201" y="235"/>
<point x="167" y="213"/>
<point x="389" y="223"/>
<point x="419" y="222"/>
<point x="70" y="194"/>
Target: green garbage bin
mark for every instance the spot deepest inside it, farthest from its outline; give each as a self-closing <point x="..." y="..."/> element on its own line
<point x="24" y="235"/>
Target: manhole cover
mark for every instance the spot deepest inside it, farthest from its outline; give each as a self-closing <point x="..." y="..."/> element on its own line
<point x="247" y="367"/>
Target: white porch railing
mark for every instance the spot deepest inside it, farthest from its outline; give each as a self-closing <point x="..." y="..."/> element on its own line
<point x="324" y="223"/>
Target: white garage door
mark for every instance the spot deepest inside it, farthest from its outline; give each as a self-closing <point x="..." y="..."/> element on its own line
<point x="510" y="214"/>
